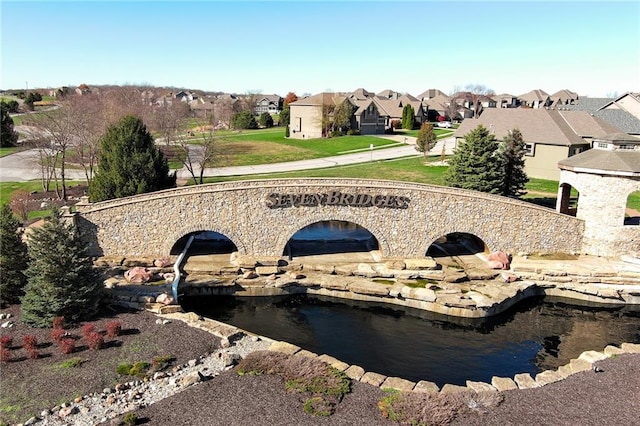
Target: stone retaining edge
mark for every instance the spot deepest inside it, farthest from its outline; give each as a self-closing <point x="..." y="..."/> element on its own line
<point x="584" y="362"/>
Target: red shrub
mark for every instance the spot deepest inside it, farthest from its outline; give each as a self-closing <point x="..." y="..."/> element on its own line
<point x="57" y="334"/>
<point x="6" y="341"/>
<point x="113" y="328"/>
<point x="95" y="340"/>
<point x="29" y="341"/>
<point x="87" y="329"/>
<point x="33" y="353"/>
<point x="58" y="322"/>
<point x="67" y="345"/>
<point x="5" y="355"/>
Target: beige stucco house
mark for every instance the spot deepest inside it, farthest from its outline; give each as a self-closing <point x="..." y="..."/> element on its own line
<point x="308" y="116"/>
<point x="550" y="135"/>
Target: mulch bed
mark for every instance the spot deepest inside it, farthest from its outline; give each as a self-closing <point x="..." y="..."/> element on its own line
<point x="31" y="385"/>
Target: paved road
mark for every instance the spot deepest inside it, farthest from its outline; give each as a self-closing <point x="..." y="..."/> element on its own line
<point x="23" y="166"/>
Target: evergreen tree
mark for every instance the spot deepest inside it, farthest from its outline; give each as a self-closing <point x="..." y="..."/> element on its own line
<point x="244" y="120"/>
<point x="129" y="163"/>
<point x="13" y="258"/>
<point x="62" y="279"/>
<point x="408" y="117"/>
<point x="426" y="139"/>
<point x="285" y="115"/>
<point x="265" y="120"/>
<point x="476" y="163"/>
<point x="8" y="136"/>
<point x="512" y="151"/>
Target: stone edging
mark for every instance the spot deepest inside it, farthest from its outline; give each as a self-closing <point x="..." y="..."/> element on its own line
<point x="584" y="362"/>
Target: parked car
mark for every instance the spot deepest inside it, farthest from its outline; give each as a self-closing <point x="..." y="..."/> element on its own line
<point x="444" y="124"/>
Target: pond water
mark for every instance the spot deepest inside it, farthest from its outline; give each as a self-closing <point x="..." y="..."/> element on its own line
<point x="537" y="335"/>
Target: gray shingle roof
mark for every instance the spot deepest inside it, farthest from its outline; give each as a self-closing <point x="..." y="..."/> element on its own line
<point x="599" y="160"/>
<point x="551" y="127"/>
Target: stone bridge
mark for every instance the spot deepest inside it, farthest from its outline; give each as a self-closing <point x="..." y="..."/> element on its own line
<point x="260" y="217"/>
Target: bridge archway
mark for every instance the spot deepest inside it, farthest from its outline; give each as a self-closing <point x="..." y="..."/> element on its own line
<point x="205" y="243"/>
<point x="298" y="225"/>
<point x="331" y="237"/>
<point x="457" y="244"/>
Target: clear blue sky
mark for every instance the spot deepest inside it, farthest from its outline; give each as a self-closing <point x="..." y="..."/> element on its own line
<point x="592" y="48"/>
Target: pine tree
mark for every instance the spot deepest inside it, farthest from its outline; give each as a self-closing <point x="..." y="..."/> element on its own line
<point x="8" y="136"/>
<point x="476" y="163"/>
<point x="62" y="279"/>
<point x="512" y="151"/>
<point x="129" y="163"/>
<point x="13" y="258"/>
<point x="408" y="117"/>
<point x="426" y="139"/>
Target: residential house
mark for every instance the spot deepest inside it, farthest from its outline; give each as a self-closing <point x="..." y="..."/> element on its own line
<point x="563" y="97"/>
<point x="438" y="106"/>
<point x="472" y="104"/>
<point x="550" y="135"/>
<point x="505" y="100"/>
<point x="309" y="116"/>
<point x="391" y="109"/>
<point x="430" y="94"/>
<point x="535" y="99"/>
<point x="268" y="103"/>
<point x="622" y="112"/>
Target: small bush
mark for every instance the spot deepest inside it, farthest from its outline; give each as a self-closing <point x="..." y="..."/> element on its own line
<point x="123" y="369"/>
<point x="159" y="363"/>
<point x="396" y="124"/>
<point x="335" y="133"/>
<point x="113" y="328"/>
<point x="58" y="322"/>
<point x="5" y="355"/>
<point x="33" y="353"/>
<point x="29" y="341"/>
<point x="433" y="409"/>
<point x="87" y="329"/>
<point x="325" y="384"/>
<point x="57" y="334"/>
<point x="67" y="345"/>
<point x="70" y="363"/>
<point x="6" y="341"/>
<point x="130" y="419"/>
<point x="139" y="369"/>
<point x="94" y="340"/>
<point x="318" y="406"/>
<point x="353" y="132"/>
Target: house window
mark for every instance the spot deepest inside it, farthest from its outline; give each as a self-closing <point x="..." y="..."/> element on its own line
<point x="603" y="145"/>
<point x="626" y="146"/>
<point x="529" y="149"/>
<point x="575" y="151"/>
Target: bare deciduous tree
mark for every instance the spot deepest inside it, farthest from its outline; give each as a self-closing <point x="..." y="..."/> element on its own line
<point x="56" y="126"/>
<point x="476" y="93"/>
<point x="196" y="155"/>
<point x="88" y="127"/>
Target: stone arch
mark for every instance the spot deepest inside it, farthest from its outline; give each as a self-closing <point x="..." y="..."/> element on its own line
<point x="383" y="244"/>
<point x="487" y="239"/>
<point x="466" y="242"/>
<point x="180" y="243"/>
<point x="177" y="234"/>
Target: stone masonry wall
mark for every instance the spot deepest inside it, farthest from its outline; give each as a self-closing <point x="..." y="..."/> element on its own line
<point x="601" y="204"/>
<point x="150" y="224"/>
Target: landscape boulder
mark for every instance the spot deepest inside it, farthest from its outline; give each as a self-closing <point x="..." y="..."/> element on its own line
<point x="499" y="260"/>
<point x="138" y="275"/>
<point x="165" y="299"/>
<point x="162" y="262"/>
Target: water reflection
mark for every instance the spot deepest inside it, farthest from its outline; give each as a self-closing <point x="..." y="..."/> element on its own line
<point x="330" y="237"/>
<point x="419" y="345"/>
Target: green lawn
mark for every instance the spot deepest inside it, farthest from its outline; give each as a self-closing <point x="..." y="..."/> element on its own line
<point x="7" y="151"/>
